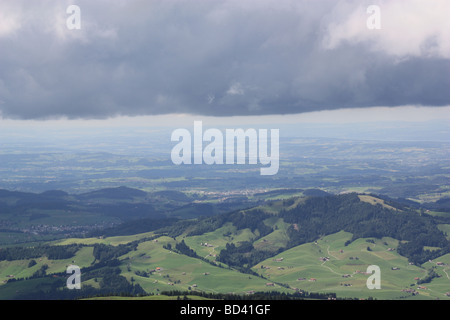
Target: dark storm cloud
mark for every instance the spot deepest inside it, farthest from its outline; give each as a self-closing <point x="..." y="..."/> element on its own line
<point x="209" y="58"/>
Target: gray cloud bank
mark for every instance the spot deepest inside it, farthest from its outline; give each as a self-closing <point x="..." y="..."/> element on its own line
<point x="220" y="58"/>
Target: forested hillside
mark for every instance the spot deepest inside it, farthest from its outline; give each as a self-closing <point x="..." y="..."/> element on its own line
<point x="147" y="256"/>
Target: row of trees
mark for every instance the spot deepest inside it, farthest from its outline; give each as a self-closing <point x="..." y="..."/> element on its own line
<point x="51" y="252"/>
<point x="111" y="283"/>
<point x="243" y="256"/>
<point x="271" y="295"/>
<point x="103" y="252"/>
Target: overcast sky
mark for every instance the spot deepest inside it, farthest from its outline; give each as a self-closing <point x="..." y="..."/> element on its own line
<point x="224" y="58"/>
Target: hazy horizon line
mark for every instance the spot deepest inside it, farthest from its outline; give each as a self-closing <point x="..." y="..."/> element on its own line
<point x="337" y="116"/>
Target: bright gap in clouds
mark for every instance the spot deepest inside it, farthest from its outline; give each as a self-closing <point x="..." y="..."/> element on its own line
<point x="340" y="116"/>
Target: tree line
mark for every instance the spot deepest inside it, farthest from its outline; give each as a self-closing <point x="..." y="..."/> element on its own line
<point x="51" y="252"/>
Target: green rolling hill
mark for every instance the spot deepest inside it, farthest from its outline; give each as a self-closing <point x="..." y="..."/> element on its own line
<point x="316" y="246"/>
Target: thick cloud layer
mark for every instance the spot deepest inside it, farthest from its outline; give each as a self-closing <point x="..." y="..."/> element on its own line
<point x="220" y="58"/>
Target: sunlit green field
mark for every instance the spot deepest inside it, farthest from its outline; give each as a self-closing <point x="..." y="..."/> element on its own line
<point x="343" y="270"/>
<point x="326" y="265"/>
